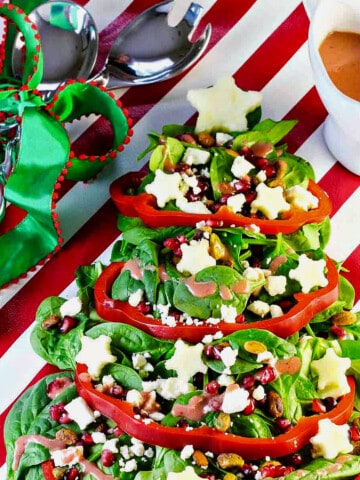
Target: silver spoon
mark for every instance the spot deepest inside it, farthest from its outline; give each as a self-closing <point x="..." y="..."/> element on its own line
<point x="148" y="50"/>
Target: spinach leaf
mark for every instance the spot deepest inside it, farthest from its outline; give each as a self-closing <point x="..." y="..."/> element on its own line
<point x="309" y="237"/>
<point x="126" y="376"/>
<point x="132" y="340"/>
<point x="30" y="415"/>
<point x="254" y="426"/>
<point x="53" y="346"/>
<point x="86" y="277"/>
<point x="346" y="467"/>
<point x="167" y="154"/>
<point x="220" y="171"/>
<point x="209" y="306"/>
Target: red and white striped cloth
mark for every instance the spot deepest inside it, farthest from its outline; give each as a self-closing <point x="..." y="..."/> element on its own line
<point x="263" y="44"/>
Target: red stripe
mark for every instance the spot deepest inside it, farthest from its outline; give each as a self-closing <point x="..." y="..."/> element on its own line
<point x="352" y="264"/>
<point x="46" y="370"/>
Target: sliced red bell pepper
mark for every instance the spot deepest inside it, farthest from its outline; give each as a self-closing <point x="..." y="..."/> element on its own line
<point x="308" y="305"/>
<point x="208" y="438"/>
<point x="144" y="206"/>
<point x="47" y="469"/>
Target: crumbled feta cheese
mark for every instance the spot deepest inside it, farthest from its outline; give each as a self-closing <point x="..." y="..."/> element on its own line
<point x="95" y="353"/>
<point x="195" y="257"/>
<point x="340" y="440"/>
<point x="80" y="412"/>
<point x="186" y="360"/>
<point x="125" y="452"/>
<point x="301" y="198"/>
<point x="138" y="361"/>
<point x="259" y="307"/>
<point x="331" y="370"/>
<point x="170" y="388"/>
<point x="309" y="273"/>
<point x="228" y="356"/>
<point x="224" y="380"/>
<point x="265" y="357"/>
<point x="235" y="400"/>
<point x="165" y="187"/>
<point x="108" y="380"/>
<point x="71" y="307"/>
<point x="196" y="156"/>
<point x="137" y="448"/>
<point x="275" y="284"/>
<point x="276" y="311"/>
<point x="130" y="466"/>
<point x="134" y="397"/>
<point x="111" y="444"/>
<point x="223" y="104"/>
<point x="67" y="457"/>
<point x="258" y="393"/>
<point x="236" y="202"/>
<point x="136" y="297"/>
<point x="149" y="453"/>
<point x="228" y="313"/>
<point x="98" y="437"/>
<point x="241" y="167"/>
<point x="221" y="138"/>
<point x="186" y="452"/>
<point x="269" y="201"/>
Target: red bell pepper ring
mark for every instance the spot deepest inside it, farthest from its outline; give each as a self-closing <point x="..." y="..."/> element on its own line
<point x="144" y="206"/>
<point x="208" y="438"/>
<point x="308" y="305"/>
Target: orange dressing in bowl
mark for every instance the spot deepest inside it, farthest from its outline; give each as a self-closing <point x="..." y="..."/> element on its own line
<point x="340" y="53"/>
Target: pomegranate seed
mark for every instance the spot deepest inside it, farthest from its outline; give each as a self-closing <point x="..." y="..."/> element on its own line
<point x="116" y="391"/>
<point x="209" y="351"/>
<point x="56" y="411"/>
<point x="317" y="406"/>
<point x="240" y="318"/>
<point x="338" y="331"/>
<point x="248" y="382"/>
<point x="330" y="403"/>
<point x="144" y="307"/>
<point x="250" y="196"/>
<point x="55" y="387"/>
<point x="243" y="185"/>
<point x="260" y="162"/>
<point x="87" y="439"/>
<point x="354" y="433"/>
<point x="193" y="197"/>
<point x="215" y="404"/>
<point x="171" y="244"/>
<point x="266" y="375"/>
<point x="72" y="474"/>
<point x="270" y="170"/>
<point x="208" y="476"/>
<point x="182" y="423"/>
<point x="64" y="419"/>
<point x="181" y="239"/>
<point x="107" y="458"/>
<point x="198" y="380"/>
<point x="212" y="387"/>
<point x="67" y="324"/>
<point x="246" y="151"/>
<point x="294" y="460"/>
<point x="117" y="431"/>
<point x="223" y="200"/>
<point x="250" y="408"/>
<point x="285" y="304"/>
<point x="218" y="349"/>
<point x="283" y="424"/>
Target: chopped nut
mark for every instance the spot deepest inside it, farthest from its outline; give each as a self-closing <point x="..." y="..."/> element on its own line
<point x="344" y="318"/>
<point x="230" y="476"/>
<point x="66" y="435"/>
<point x="206" y="140"/>
<point x="51" y="322"/>
<point x="223" y="422"/>
<point x="217" y="249"/>
<point x="253" y="346"/>
<point x="59" y="472"/>
<point x="275" y="404"/>
<point x="229" y="460"/>
<point x="200" y="458"/>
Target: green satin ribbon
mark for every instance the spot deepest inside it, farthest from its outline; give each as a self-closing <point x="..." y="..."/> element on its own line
<point x="44" y="157"/>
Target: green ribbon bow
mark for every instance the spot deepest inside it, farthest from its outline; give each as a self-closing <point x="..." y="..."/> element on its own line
<point x="39" y="156"/>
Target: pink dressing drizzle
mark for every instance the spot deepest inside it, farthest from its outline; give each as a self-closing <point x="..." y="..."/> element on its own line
<point x="200" y="289"/>
<point x="242" y="286"/>
<point x="225" y="292"/>
<point x="52" y="445"/>
<point x="22" y="442"/>
<point x="198" y="406"/>
<point x="134" y="268"/>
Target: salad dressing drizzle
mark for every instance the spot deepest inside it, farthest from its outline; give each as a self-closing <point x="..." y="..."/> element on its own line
<point x="22" y="442"/>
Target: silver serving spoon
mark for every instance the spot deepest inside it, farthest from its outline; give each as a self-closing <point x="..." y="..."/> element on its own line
<point x="148" y="50"/>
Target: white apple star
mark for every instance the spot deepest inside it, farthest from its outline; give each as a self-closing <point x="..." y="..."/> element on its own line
<point x="331" y="440"/>
<point x="331" y="370"/>
<point x="269" y="201"/>
<point x="95" y="353"/>
<point x="309" y="273"/>
<point x="223" y="106"/>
